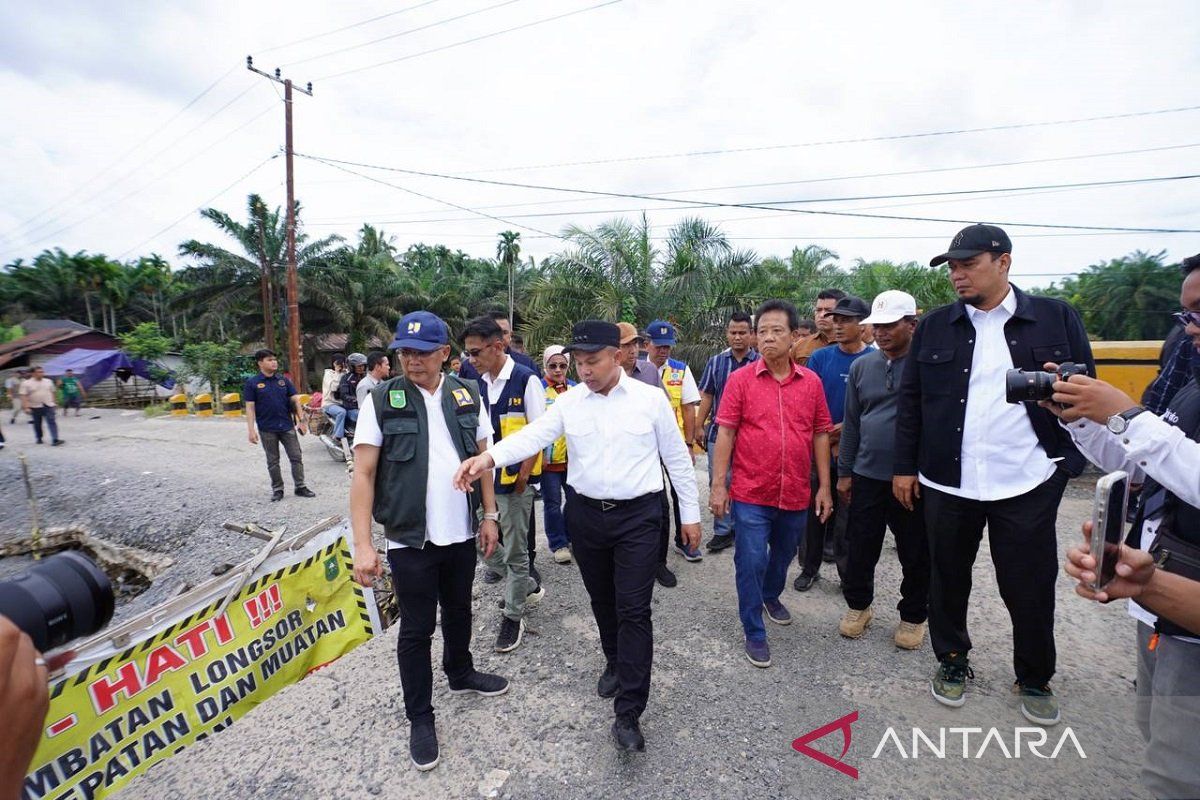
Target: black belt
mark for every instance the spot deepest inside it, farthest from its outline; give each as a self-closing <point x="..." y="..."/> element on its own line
<point x="611" y="505"/>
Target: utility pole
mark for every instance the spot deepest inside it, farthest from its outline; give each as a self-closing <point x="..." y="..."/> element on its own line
<point x="295" y="359"/>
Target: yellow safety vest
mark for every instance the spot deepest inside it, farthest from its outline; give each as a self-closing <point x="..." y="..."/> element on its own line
<point x="508" y="417"/>
<point x="671" y="375"/>
<point x="556" y="453"/>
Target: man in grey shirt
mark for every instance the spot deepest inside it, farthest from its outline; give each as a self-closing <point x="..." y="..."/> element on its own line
<point x="378" y="370"/>
<point x="865" y="479"/>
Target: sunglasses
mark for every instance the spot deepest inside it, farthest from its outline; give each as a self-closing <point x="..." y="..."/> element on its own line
<point x="1186" y="318"/>
<point x="556" y="366"/>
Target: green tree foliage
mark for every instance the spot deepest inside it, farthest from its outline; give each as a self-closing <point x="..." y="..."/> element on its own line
<point x="218" y="364"/>
<point x="1126" y="299"/>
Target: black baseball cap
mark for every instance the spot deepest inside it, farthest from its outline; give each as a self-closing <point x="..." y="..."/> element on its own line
<point x="973" y="240"/>
<point x="593" y="335"/>
<point x="851" y="306"/>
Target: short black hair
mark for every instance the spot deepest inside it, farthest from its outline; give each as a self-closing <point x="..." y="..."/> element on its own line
<point x="518" y="338"/>
<point x="484" y="327"/>
<point x="830" y="294"/>
<point x="375" y="358"/>
<point x="498" y="314"/>
<point x="1190" y="265"/>
<point x="262" y="353"/>
<point x="807" y="323"/>
<point x="793" y="316"/>
<point x="741" y="316"/>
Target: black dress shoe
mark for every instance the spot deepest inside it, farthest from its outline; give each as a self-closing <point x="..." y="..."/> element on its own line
<point x="277" y="496"/>
<point x="804" y="582"/>
<point x="628" y="734"/>
<point x="423" y="745"/>
<point x="665" y="577"/>
<point x="304" y="491"/>
<point x="720" y="542"/>
<point x="608" y="685"/>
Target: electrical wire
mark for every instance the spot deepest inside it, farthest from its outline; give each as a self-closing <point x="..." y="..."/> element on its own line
<point x="717" y="204"/>
<point x="348" y="27"/>
<point x="543" y="21"/>
<point x="400" y="34"/>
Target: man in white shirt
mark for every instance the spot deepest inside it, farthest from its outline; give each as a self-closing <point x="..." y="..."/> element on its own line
<point x="515" y="397"/>
<point x="978" y="461"/>
<point x="378" y="370"/>
<point x="37" y="398"/>
<point x="619" y="432"/>
<point x="426" y="424"/>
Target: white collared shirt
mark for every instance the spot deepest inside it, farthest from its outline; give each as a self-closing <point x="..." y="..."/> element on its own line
<point x="1001" y="456"/>
<point x="447" y="513"/>
<point x="535" y="393"/>
<point x="615" y="445"/>
<point x="1153" y="446"/>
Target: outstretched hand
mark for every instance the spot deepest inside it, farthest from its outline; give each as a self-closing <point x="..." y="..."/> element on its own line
<point x="472" y="470"/>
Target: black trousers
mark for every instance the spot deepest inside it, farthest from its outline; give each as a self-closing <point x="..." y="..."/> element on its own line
<point x="873" y="509"/>
<point x="812" y="546"/>
<point x="423" y="578"/>
<point x="617" y="554"/>
<point x="668" y="508"/>
<point x="1024" y="548"/>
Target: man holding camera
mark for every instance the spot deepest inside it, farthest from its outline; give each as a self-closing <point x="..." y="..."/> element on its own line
<point x="978" y="460"/>
<point x="1162" y="556"/>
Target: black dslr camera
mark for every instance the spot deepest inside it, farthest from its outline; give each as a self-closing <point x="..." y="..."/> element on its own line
<point x="59" y="599"/>
<point x="1031" y="387"/>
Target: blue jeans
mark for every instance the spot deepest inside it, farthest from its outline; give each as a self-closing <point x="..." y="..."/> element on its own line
<point x="722" y="526"/>
<point x="766" y="537"/>
<point x="338" y="415"/>
<point x="552" y="497"/>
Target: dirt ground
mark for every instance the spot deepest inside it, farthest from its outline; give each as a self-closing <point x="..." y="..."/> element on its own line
<point x="716" y="726"/>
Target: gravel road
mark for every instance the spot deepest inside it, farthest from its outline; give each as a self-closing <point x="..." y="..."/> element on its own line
<point x="716" y="726"/>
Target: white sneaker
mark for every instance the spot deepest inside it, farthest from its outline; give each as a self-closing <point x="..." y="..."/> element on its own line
<point x="562" y="555"/>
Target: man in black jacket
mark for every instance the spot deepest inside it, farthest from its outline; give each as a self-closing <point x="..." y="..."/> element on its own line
<point x="977" y="460"/>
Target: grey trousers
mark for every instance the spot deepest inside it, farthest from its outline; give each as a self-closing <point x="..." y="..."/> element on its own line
<point x="511" y="557"/>
<point x="1168" y="714"/>
<point x="291" y="444"/>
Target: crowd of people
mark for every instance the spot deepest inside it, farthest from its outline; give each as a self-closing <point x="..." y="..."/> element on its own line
<point x="31" y="392"/>
<point x="818" y="441"/>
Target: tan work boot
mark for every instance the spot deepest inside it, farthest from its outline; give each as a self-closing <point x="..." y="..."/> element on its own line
<point x="909" y="635"/>
<point x="854" y="622"/>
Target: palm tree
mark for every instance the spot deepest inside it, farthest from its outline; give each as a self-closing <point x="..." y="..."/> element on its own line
<point x="930" y="287"/>
<point x="245" y="288"/>
<point x="508" y="251"/>
<point x="1131" y="297"/>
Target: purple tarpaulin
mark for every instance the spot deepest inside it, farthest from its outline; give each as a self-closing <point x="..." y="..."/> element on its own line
<point x="93" y="366"/>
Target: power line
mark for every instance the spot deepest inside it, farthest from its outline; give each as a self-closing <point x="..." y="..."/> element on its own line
<point x="200" y="207"/>
<point x="401" y="33"/>
<point x="78" y="188"/>
<point x="347" y="27"/>
<point x="801" y="181"/>
<point x="717" y="204"/>
<point x="825" y="142"/>
<point x="468" y="41"/>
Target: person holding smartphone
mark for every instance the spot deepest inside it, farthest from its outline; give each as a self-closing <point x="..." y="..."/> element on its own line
<point x="1116" y="433"/>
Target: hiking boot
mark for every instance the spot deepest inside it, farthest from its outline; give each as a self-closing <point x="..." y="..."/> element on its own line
<point x="483" y="684"/>
<point x="627" y="734"/>
<point x="777" y="612"/>
<point x="491" y="576"/>
<point x="909" y="635"/>
<point x="1038" y="704"/>
<point x="509" y="638"/>
<point x="423" y="745"/>
<point x="689" y="552"/>
<point x="719" y="542"/>
<point x="609" y="684"/>
<point x="950" y="680"/>
<point x="759" y="653"/>
<point x="562" y="555"/>
<point x="665" y="577"/>
<point x="854" y="622"/>
<point x="804" y="582"/>
<point x="304" y="491"/>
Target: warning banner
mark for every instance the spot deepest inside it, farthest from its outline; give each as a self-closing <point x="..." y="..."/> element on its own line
<point x="196" y="673"/>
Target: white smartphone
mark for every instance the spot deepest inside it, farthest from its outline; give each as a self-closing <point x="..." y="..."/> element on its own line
<point x="1108" y="525"/>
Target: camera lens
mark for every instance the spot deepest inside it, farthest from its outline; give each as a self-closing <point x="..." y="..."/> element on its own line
<point x="1028" y="387"/>
<point x="58" y="600"/>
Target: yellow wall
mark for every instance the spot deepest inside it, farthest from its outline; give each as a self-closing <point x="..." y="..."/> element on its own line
<point x="1130" y="366"/>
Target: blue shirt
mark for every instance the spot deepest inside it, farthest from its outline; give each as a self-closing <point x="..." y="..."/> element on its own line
<point x="832" y="364"/>
<point x="716" y="373"/>
<point x="272" y="398"/>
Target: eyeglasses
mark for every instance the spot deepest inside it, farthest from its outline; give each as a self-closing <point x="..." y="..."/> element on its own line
<point x="556" y="366"/>
<point x="475" y="353"/>
<point x="1186" y="318"/>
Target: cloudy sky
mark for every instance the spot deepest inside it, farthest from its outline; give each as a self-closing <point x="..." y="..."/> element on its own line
<point x="112" y="142"/>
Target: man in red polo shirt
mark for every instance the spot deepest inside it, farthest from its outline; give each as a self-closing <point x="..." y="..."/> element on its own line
<point x="773" y="416"/>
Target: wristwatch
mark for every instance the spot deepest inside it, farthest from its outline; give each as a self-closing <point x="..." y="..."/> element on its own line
<point x="1118" y="423"/>
<point x="494" y="516"/>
